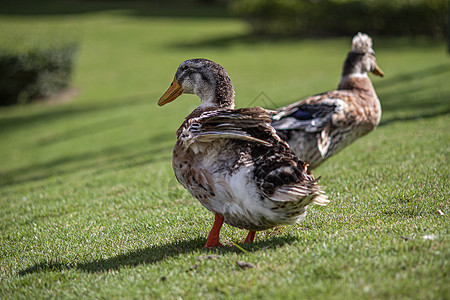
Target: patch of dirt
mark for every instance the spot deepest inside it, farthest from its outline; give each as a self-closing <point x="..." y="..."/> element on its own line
<point x="63" y="96"/>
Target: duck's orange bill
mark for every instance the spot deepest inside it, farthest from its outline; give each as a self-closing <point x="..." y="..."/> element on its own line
<point x="377" y="71"/>
<point x="172" y="93"/>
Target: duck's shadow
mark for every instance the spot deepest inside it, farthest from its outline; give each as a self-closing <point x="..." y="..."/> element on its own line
<point x="154" y="254"/>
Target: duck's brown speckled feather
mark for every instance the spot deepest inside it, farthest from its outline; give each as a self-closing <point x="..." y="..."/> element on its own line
<point x="235" y="164"/>
<point x="337" y="119"/>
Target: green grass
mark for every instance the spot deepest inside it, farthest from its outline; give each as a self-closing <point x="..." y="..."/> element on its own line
<point x="90" y="207"/>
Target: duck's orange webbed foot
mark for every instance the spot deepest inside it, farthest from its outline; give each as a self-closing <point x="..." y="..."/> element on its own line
<point x="213" y="238"/>
<point x="250" y="236"/>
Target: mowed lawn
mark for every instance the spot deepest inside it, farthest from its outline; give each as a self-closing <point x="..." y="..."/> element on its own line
<point x="90" y="207"/>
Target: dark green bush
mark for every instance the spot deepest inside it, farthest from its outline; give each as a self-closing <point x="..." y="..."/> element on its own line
<point x="33" y="70"/>
<point x="344" y="17"/>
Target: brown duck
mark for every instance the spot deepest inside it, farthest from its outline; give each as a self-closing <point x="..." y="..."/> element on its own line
<point x="232" y="160"/>
<point x="322" y="125"/>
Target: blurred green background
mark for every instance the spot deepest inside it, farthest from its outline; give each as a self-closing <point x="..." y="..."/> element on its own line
<point x="89" y="204"/>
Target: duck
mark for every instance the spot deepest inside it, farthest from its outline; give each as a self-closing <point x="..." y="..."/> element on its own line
<point x="320" y="126"/>
<point x="232" y="160"/>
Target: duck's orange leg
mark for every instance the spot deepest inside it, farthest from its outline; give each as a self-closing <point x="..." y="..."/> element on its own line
<point x="250" y="236"/>
<point x="213" y="237"/>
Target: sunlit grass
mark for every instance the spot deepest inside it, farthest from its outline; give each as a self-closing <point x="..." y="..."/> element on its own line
<point x="90" y="207"/>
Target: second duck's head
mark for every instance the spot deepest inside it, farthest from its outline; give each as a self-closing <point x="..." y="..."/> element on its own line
<point x="206" y="79"/>
<point x="361" y="59"/>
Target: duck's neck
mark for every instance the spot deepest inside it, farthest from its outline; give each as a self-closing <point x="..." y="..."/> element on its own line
<point x="359" y="82"/>
<point x="212" y="99"/>
<point x="353" y="76"/>
<point x="219" y="96"/>
<point x="210" y="102"/>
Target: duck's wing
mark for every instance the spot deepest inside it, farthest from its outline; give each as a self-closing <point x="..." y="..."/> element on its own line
<point x="279" y="174"/>
<point x="228" y="124"/>
<point x="282" y="177"/>
<point x="313" y="114"/>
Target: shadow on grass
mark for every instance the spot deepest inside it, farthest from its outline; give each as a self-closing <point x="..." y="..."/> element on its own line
<point x="248" y="39"/>
<point x="414" y="95"/>
<point x="414" y="117"/>
<point x="435" y="70"/>
<point x="230" y="40"/>
<point x="108" y="158"/>
<point x="8" y="123"/>
<point x="166" y="8"/>
<point x="151" y="255"/>
<point x="119" y="158"/>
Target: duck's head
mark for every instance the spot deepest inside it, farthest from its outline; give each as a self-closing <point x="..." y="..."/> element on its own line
<point x="361" y="59"/>
<point x="206" y="79"/>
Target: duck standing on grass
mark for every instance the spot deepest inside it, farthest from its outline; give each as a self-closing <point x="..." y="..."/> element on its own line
<point x="320" y="126"/>
<point x="233" y="161"/>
